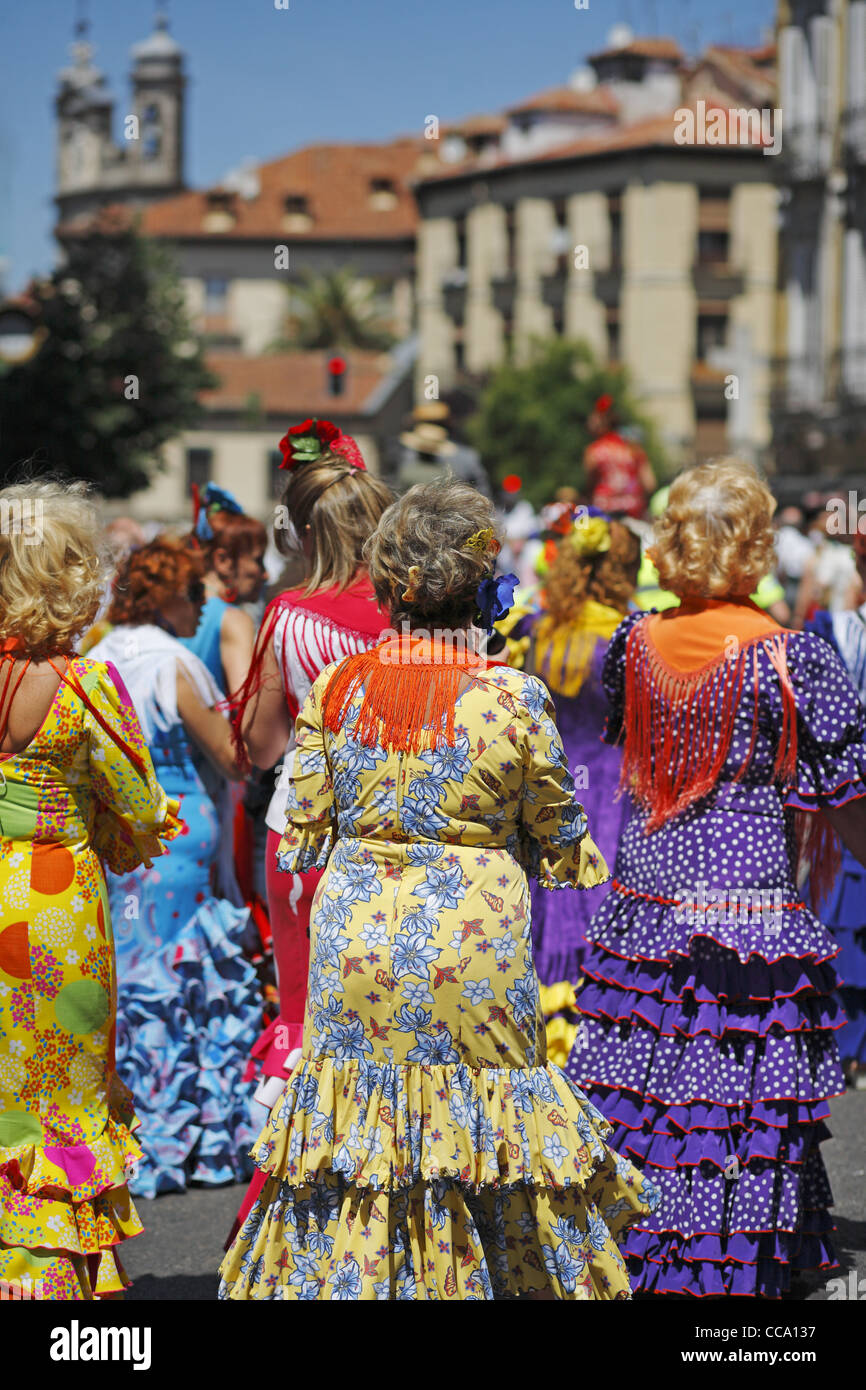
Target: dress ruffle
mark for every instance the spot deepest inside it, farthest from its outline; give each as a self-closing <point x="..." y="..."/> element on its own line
<point x="713" y="1065"/>
<point x="65" y="1209"/>
<point x="424" y="1150"/>
<point x="187" y="1018"/>
<point x="578" y="866"/>
<point x="305" y="847"/>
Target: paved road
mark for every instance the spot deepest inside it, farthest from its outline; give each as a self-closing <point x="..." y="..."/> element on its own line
<point x="178" y="1255"/>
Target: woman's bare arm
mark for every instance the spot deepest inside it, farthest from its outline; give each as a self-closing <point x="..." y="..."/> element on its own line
<point x="208" y="729"/>
<point x="849" y="822"/>
<point x="266" y="725"/>
<point x="237" y="640"/>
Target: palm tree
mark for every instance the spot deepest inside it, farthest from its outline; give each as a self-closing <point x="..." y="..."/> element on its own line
<point x="334" y="310"/>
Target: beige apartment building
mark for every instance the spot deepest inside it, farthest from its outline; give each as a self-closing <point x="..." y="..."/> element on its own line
<point x="578" y="211"/>
<point x="819" y="396"/>
<point x="591" y="220"/>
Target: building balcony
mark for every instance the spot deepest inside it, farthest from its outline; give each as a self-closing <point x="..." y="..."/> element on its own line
<point x="553" y="289"/>
<point x="854" y="134"/>
<point x="608" y="284"/>
<point x="454" y="294"/>
<point x="716" y="280"/>
<point x="502" y="289"/>
<point x="807" y="151"/>
<point x="708" y="389"/>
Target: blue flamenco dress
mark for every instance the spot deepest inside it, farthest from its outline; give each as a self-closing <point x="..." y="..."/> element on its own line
<point x="189" y="1008"/>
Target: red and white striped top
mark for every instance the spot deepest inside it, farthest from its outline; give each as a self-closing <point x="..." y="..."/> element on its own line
<point x="304" y="644"/>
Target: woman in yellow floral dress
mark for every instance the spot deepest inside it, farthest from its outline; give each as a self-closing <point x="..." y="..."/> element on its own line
<point x="424" y="1148"/>
<point x="76" y="787"/>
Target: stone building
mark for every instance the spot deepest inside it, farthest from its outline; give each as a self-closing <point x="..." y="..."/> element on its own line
<point x="590" y="219"/>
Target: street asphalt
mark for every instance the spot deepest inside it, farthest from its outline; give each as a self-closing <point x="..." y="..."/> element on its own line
<point x="177" y="1257"/>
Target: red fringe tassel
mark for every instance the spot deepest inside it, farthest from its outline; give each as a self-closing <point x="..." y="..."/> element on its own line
<point x="404" y="706"/>
<point x="680" y="724"/>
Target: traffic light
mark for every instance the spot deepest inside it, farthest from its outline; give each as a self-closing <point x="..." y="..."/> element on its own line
<point x="336" y="376"/>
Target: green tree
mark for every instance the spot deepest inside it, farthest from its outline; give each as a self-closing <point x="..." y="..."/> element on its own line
<point x="532" y="419"/>
<point x="334" y="310"/>
<point x="118" y="371"/>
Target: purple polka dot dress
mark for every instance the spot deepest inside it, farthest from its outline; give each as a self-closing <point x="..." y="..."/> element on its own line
<point x="708" y="1036"/>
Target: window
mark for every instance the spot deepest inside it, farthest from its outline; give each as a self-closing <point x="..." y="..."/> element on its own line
<point x="712" y="333"/>
<point x="151" y="132"/>
<point x="383" y="194"/>
<point x="198" y="467"/>
<point x="613" y="340"/>
<point x="713" y="248"/>
<point x="215" y="295"/>
<point x="460" y="229"/>
<point x="614" y="212"/>
<point x="297" y="204"/>
<point x="510" y="238"/>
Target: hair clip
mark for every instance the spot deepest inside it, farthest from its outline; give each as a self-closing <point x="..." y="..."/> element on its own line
<point x="409" y="593"/>
<point x="482" y="541"/>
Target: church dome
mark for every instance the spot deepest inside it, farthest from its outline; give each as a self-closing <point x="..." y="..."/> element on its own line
<point x="159" y="45"/>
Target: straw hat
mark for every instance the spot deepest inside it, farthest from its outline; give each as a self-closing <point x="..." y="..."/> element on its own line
<point x="427" y="438"/>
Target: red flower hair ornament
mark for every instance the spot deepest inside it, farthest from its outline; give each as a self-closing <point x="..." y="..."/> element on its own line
<point x="312" y="440"/>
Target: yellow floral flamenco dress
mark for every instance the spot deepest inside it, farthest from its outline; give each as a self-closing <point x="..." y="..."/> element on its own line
<point x="424" y="1147"/>
<point x="83" y="790"/>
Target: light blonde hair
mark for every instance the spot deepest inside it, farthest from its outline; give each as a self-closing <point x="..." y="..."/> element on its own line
<point x="427" y="528"/>
<point x="715" y="537"/>
<point x="342" y="506"/>
<point x="53" y="565"/>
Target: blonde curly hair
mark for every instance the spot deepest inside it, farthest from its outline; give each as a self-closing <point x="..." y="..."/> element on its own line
<point x="715" y="537"/>
<point x="426" y="531"/>
<point x="53" y="565"/>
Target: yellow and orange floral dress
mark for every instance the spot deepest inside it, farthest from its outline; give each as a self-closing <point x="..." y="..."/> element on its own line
<point x="424" y="1146"/>
<point x="83" y="791"/>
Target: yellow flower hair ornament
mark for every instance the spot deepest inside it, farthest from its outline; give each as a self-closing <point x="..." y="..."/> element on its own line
<point x="591" y="533"/>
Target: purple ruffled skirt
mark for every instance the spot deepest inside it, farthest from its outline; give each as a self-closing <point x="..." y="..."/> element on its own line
<point x="708" y="1040"/>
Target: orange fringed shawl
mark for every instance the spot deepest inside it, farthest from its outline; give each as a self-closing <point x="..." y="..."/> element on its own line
<point x="408" y="693"/>
<point x="687" y="671"/>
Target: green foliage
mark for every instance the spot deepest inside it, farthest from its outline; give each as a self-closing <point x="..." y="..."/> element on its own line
<point x="118" y="372"/>
<point x="532" y="419"/>
<point x="334" y="310"/>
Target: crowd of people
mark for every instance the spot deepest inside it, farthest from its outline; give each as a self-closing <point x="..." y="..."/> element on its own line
<point x="510" y="945"/>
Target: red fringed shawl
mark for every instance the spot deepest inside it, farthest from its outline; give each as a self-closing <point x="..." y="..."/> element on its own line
<point x="678" y="731"/>
<point x="408" y="693"/>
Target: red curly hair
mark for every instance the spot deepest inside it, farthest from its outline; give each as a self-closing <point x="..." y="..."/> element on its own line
<point x="234" y="532"/>
<point x="151" y="576"/>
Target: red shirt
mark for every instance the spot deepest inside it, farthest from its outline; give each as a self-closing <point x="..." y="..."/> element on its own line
<point x="613" y="473"/>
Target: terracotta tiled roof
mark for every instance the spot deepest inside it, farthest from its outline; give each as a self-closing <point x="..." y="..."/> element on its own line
<point x="334" y="179"/>
<point x="293" y="383"/>
<point x="647" y="134"/>
<point x="644" y="48"/>
<point x="597" y="102"/>
<point x="476" y="125"/>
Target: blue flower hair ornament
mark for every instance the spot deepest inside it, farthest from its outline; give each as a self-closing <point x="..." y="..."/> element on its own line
<point x="213" y="499"/>
<point x="494" y="598"/>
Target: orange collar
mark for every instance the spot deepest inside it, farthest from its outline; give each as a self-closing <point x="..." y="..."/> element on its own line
<point x="702" y="629"/>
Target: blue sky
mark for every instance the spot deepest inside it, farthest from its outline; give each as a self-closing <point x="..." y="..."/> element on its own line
<point x="264" y="81"/>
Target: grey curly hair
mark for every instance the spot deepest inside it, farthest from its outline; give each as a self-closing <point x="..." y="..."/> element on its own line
<point x="426" y="531"/>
